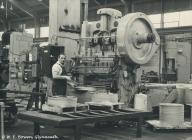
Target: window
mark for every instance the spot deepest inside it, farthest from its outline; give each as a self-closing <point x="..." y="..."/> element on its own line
<point x="185" y="19"/>
<point x="173" y="19"/>
<point x="31" y="31"/>
<point x="44" y="32"/>
<point x="1" y="34"/>
<point x="156" y="20"/>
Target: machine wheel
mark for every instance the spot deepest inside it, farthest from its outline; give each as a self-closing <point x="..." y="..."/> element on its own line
<point x="137" y="40"/>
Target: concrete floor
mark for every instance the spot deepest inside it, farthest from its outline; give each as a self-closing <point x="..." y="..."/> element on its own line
<point x="24" y="130"/>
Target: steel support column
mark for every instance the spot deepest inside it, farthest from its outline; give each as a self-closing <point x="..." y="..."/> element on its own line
<point x="37" y="27"/>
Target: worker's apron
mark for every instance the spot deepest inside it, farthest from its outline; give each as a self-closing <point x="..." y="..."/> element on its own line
<point x="60" y="85"/>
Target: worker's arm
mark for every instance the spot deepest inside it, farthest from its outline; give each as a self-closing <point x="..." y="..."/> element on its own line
<point x="57" y="75"/>
<point x="62" y="77"/>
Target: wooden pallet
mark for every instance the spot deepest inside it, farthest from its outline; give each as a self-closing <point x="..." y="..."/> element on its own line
<point x="157" y="126"/>
<point x="60" y="110"/>
<point x="104" y="106"/>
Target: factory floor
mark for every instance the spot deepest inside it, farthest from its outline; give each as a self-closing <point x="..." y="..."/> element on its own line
<point x="22" y="130"/>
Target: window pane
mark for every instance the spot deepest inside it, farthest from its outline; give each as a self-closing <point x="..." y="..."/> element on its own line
<point x="172" y="19"/>
<point x="185" y="18"/>
<point x="31" y="31"/>
<point x="1" y="35"/>
<point x="44" y="31"/>
<point x="155" y="19"/>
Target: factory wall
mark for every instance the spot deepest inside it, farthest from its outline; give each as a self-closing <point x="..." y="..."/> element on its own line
<point x="177" y="47"/>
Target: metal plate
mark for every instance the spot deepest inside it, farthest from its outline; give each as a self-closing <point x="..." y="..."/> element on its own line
<point x="130" y="28"/>
<point x="83" y="88"/>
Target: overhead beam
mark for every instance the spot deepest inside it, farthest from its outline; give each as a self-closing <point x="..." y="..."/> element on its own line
<point x="23" y="7"/>
<point x="37" y="27"/>
<point x="126" y="8"/>
<point x="111" y="5"/>
<point x="96" y="2"/>
<point x="27" y="18"/>
<point x="144" y="1"/>
<point x="174" y="30"/>
<point x="45" y="5"/>
<point x="129" y="6"/>
<point x="10" y="12"/>
<point x="42" y="3"/>
<point x="15" y="14"/>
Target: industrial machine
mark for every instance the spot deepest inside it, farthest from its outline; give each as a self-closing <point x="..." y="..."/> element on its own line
<point x="15" y="51"/>
<point x="23" y="66"/>
<point x="20" y="71"/>
<point x="112" y="49"/>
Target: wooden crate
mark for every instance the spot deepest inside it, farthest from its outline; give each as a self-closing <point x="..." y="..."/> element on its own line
<point x="156" y="126"/>
<point x="60" y="110"/>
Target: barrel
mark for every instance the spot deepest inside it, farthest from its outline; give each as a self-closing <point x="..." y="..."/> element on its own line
<point x="140" y="102"/>
<point x="171" y="114"/>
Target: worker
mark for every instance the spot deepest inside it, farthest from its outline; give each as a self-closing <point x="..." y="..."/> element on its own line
<point x="60" y="77"/>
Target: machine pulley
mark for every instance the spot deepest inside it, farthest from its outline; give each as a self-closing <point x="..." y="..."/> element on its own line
<point x="137" y="39"/>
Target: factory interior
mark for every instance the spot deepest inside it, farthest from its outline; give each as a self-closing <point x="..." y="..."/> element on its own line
<point x="95" y="70"/>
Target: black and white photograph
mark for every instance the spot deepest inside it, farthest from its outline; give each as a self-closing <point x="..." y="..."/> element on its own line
<point x="95" y="69"/>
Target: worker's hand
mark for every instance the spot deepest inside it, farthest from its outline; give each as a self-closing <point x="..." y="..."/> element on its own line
<point x="71" y="84"/>
<point x="67" y="78"/>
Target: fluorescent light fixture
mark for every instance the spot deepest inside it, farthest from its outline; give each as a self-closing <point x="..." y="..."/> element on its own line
<point x="2" y="6"/>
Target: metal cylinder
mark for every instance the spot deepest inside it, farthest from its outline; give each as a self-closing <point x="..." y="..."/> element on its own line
<point x="140" y="102"/>
<point x="85" y="12"/>
<point x="104" y="22"/>
<point x="171" y="114"/>
<point x="145" y="38"/>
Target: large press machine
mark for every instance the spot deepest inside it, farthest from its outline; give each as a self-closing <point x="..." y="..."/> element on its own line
<point x="111" y="50"/>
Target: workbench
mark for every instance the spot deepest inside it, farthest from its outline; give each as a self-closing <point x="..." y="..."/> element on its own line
<point x="78" y="119"/>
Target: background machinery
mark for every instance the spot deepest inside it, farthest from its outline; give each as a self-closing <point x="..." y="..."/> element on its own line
<point x="15" y="51"/>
